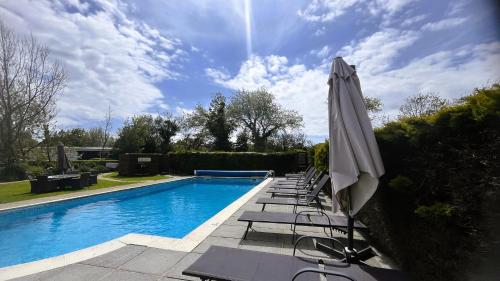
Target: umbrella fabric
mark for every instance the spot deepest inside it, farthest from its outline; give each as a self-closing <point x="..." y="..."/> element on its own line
<point x="354" y="159"/>
<point x="62" y="160"/>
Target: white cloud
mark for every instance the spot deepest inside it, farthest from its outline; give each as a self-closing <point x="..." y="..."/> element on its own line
<point x="305" y="90"/>
<point x="444" y="24"/>
<point x="320" y="31"/>
<point x="321" y="53"/>
<point x="329" y="10"/>
<point x="325" y="10"/>
<point x="377" y="52"/>
<point x="412" y="20"/>
<point x="456" y="7"/>
<point x="390" y="7"/>
<point x="110" y="58"/>
<point x="437" y="72"/>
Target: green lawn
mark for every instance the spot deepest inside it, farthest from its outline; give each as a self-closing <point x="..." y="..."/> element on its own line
<point x="18" y="191"/>
<point x="115" y="176"/>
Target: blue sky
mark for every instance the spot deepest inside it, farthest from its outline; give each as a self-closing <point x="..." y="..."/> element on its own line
<point x="155" y="56"/>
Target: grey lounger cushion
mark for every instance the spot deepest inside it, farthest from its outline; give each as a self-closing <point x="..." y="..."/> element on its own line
<point x="282" y="201"/>
<point x="302" y="219"/>
<point x="222" y="263"/>
<point x="287" y="191"/>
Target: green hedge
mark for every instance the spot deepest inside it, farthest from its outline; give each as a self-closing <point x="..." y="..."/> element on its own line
<point x="430" y="209"/>
<point x="43" y="167"/>
<point x="186" y="162"/>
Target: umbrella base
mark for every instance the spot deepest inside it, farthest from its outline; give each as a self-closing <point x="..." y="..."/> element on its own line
<point x="348" y="255"/>
<point x="355" y="256"/>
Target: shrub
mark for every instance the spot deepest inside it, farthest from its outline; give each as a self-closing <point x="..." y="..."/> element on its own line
<point x="33" y="171"/>
<point x="428" y="211"/>
<point x="440" y="169"/>
<point x="91" y="165"/>
<point x="13" y="173"/>
<point x="321" y="156"/>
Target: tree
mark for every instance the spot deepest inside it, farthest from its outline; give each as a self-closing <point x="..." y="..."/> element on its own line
<point x="286" y="141"/>
<point x="106" y="130"/>
<point x="258" y="112"/>
<point x="422" y="104"/>
<point x="241" y="144"/>
<point x="167" y="127"/>
<point x="147" y="134"/>
<point x="29" y="85"/>
<point x="218" y="124"/>
<point x="73" y="137"/>
<point x="373" y="104"/>
<point x="135" y="134"/>
<point x="194" y="130"/>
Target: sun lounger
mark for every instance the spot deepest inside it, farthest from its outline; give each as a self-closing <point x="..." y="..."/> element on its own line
<point x="222" y="263"/>
<point x="298" y="185"/>
<point x="294" y="191"/>
<point x="307" y="200"/>
<point x="304" y="218"/>
<point x="303" y="180"/>
<point x="298" y="175"/>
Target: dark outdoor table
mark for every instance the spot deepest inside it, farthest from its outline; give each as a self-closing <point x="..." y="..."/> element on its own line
<point x="66" y="176"/>
<point x="62" y="180"/>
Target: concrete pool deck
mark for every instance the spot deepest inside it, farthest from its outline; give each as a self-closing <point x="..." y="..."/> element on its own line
<point x="139" y="262"/>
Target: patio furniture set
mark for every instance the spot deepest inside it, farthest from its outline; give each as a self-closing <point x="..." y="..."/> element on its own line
<point x="45" y="183"/>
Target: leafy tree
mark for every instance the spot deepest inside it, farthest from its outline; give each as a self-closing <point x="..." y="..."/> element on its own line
<point x="242" y="139"/>
<point x="373" y="105"/>
<point x="259" y="112"/>
<point x="73" y="137"/>
<point x="422" y="104"/>
<point x="167" y="127"/>
<point x="286" y="141"/>
<point x="218" y="124"/>
<point x="135" y="134"/>
<point x="193" y="129"/>
<point x="29" y="85"/>
<point x="144" y="133"/>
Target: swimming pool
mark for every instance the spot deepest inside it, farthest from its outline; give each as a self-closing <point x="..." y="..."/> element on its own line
<point x="171" y="209"/>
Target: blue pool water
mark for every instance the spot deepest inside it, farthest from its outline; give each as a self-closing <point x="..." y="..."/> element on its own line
<point x="170" y="209"/>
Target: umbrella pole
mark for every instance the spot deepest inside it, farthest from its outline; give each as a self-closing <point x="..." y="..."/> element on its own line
<point x="350" y="251"/>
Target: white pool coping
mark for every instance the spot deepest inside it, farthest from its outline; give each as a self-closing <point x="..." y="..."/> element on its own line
<point x="185" y="244"/>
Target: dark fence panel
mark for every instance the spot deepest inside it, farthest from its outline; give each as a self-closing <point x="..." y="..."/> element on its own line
<point x="138" y="164"/>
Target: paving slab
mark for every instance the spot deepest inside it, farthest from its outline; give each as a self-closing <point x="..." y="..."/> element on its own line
<point x="217" y="241"/>
<point x="153" y="261"/>
<point x="77" y="272"/>
<point x="116" y="258"/>
<point x="229" y="231"/>
<point x="185" y="262"/>
<point x="124" y="275"/>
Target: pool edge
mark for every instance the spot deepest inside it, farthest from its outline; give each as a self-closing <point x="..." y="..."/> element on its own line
<point x="185" y="244"/>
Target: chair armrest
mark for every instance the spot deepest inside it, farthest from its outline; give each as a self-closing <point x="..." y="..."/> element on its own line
<point x="323" y="271"/>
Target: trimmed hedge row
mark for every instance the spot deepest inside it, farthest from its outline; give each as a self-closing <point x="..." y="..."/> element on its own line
<point x="432" y="211"/>
<point x="186" y="162"/>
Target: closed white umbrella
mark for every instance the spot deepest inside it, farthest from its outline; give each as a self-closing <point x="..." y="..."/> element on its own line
<point x="354" y="161"/>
